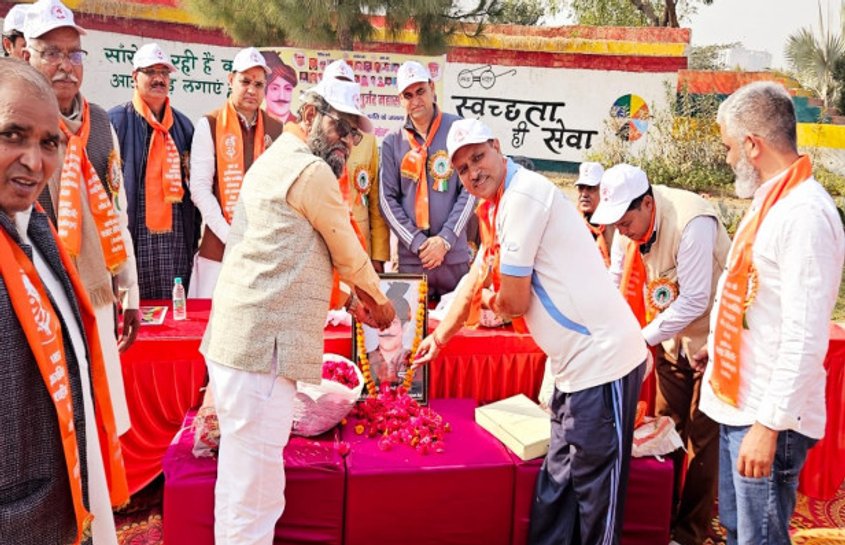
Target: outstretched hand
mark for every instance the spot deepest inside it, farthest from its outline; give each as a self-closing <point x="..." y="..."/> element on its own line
<point x="427" y="351"/>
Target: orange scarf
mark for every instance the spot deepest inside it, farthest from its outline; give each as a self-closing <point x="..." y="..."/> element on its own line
<point x="413" y="167"/>
<point x="230" y="155"/>
<point x="634" y="274"/>
<point x="42" y="329"/>
<point x="487" y="212"/>
<point x="598" y="233"/>
<point x="76" y="169"/>
<point x="734" y="299"/>
<point x="163" y="182"/>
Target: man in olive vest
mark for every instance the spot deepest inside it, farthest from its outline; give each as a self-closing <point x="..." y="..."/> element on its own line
<point x="290" y="231"/>
<point x="86" y="201"/>
<point x="667" y="256"/>
<point x="226" y="142"/>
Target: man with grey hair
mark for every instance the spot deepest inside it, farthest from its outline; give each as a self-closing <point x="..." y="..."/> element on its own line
<point x="52" y="467"/>
<point x="290" y="230"/>
<point x="765" y="383"/>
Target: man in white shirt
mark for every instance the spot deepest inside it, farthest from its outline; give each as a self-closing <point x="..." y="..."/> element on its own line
<point x="765" y="381"/>
<point x="545" y="274"/>
<point x="670" y="250"/>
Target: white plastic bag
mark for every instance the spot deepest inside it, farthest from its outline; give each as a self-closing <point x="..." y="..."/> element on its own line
<point x="656" y="437"/>
<point x="319" y="408"/>
<point x="547" y="387"/>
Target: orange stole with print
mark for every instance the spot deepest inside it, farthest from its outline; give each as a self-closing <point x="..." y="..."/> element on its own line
<point x="413" y="167"/>
<point x="229" y="154"/>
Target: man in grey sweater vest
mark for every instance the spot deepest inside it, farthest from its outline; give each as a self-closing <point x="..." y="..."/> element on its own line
<point x="290" y="228"/>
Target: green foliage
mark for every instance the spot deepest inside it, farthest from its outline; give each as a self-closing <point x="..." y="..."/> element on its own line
<point x="522" y="12"/>
<point x="632" y="12"/>
<point x="683" y="147"/>
<point x="339" y="23"/>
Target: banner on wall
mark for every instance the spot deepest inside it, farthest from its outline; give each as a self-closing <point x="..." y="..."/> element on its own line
<point x="555" y="114"/>
<point x="295" y="70"/>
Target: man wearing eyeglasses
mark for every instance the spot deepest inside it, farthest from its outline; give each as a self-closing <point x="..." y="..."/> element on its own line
<point x="155" y="140"/>
<point x="13" y="39"/>
<point x="290" y="230"/>
<point x="420" y="196"/>
<point x="86" y="201"/>
<point x="226" y="143"/>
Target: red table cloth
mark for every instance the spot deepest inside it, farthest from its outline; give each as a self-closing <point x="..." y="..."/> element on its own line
<point x="648" y="503"/>
<point x="315" y="489"/>
<point x="824" y="470"/>
<point x="461" y="496"/>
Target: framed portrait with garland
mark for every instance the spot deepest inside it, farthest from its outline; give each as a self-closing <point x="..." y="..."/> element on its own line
<point x="385" y="356"/>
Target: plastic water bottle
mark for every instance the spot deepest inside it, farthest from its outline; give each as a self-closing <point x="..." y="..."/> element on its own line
<point x="179" y="303"/>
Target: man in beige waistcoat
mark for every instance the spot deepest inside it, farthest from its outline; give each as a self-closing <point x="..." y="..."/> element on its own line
<point x="667" y="256"/>
<point x="290" y="229"/>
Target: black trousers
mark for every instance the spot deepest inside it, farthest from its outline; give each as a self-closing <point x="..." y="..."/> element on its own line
<point x="580" y="492"/>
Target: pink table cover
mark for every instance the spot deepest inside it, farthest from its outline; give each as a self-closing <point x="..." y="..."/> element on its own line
<point x="461" y="496"/>
<point x="647" y="506"/>
<point x="314" y="491"/>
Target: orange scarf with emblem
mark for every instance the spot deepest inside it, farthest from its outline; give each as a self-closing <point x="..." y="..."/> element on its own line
<point x="598" y="233"/>
<point x="734" y="297"/>
<point x="487" y="212"/>
<point x="163" y="182"/>
<point x="229" y="152"/>
<point x="76" y="170"/>
<point x="42" y="329"/>
<point x="634" y="274"/>
<point x="413" y="167"/>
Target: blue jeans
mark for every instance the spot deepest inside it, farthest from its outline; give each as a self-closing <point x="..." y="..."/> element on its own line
<point x="757" y="511"/>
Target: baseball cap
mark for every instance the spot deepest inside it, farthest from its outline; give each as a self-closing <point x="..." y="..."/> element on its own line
<point x="249" y="58"/>
<point x="465" y="132"/>
<point x="620" y="185"/>
<point x="409" y="73"/>
<point x="589" y="174"/>
<point x="46" y="15"/>
<point x="15" y="18"/>
<point x="339" y="70"/>
<point x="151" y="55"/>
<point x="343" y="96"/>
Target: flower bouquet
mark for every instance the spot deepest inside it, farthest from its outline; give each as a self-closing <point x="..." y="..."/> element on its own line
<point x="318" y="408"/>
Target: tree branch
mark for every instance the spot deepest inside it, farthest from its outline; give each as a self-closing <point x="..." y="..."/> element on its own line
<point x="647" y="10"/>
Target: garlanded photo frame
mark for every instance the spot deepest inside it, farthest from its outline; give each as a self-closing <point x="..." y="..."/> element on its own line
<point x="385" y="356"/>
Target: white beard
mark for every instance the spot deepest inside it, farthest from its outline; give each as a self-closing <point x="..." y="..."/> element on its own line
<point x="747" y="178"/>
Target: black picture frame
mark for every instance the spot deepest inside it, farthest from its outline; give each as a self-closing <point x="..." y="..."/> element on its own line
<point x="386" y="363"/>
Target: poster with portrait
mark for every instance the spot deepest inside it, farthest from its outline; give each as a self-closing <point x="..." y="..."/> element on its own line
<point x="388" y="353"/>
<point x="293" y="70"/>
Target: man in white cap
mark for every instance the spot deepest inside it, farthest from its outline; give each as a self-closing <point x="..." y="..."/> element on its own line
<point x="538" y="267"/>
<point x="87" y="202"/>
<point x="14" y="41"/>
<point x="87" y="199"/>
<point x="155" y="141"/>
<point x="587" y="185"/>
<point x="669" y="251"/>
<point x="290" y="230"/>
<point x="420" y="196"/>
<point x="226" y="143"/>
<point x="359" y="183"/>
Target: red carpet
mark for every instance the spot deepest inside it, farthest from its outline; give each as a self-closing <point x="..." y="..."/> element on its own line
<point x="141" y="524"/>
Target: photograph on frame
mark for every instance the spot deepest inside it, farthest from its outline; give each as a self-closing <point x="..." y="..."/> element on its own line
<point x="388" y="353"/>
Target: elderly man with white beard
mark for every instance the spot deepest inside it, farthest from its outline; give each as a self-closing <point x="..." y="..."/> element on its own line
<point x="765" y="382"/>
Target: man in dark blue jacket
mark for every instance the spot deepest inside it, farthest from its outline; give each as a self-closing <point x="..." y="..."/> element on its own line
<point x="154" y="143"/>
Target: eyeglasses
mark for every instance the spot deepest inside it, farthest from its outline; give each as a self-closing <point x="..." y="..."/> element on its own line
<point x="56" y="56"/>
<point x="152" y="72"/>
<point x="343" y="128"/>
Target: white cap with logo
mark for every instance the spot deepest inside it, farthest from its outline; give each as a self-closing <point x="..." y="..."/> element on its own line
<point x="339" y="70"/>
<point x="589" y="174"/>
<point x="151" y="55"/>
<point x="620" y="185"/>
<point x="249" y="58"/>
<point x="409" y="73"/>
<point x="343" y="96"/>
<point x="465" y="132"/>
<point x="46" y="15"/>
<point x="15" y="18"/>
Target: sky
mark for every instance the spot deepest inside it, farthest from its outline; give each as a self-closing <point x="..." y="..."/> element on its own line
<point x="763" y="25"/>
